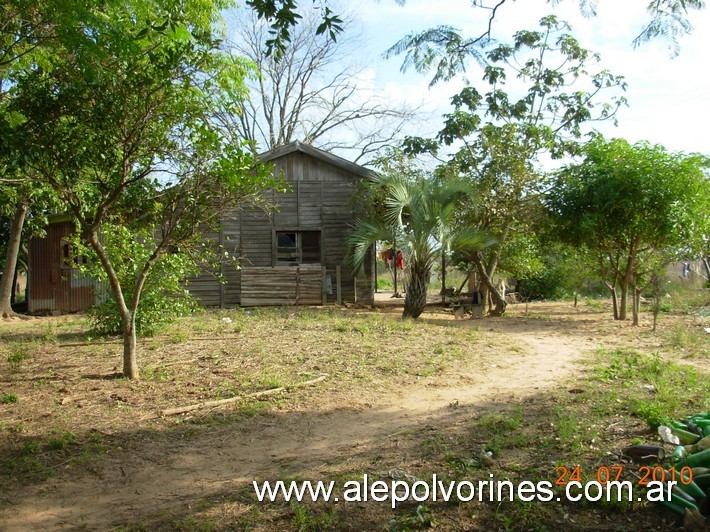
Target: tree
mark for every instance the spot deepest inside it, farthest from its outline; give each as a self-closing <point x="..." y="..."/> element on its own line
<point x="310" y="92"/>
<point x="669" y="20"/>
<point x="635" y="206"/>
<point x="419" y="211"/>
<point x="116" y="124"/>
<point x="501" y="134"/>
<point x="26" y="29"/>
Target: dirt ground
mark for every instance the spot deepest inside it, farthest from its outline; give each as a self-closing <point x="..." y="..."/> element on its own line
<point x="106" y="459"/>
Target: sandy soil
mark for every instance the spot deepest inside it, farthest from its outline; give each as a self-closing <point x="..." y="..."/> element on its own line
<point x="133" y="484"/>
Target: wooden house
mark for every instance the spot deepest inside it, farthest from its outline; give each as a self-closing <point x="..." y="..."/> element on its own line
<point x="293" y="251"/>
<point x="290" y="251"/>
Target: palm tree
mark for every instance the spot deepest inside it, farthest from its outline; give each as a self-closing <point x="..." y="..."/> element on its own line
<point x="420" y="214"/>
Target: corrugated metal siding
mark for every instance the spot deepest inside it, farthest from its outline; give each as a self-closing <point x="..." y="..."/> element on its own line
<point x="53" y="285"/>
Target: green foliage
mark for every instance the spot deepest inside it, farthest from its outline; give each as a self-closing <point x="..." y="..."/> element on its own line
<point x="116" y="121"/>
<point x="19" y="352"/>
<point x="503" y="132"/>
<point x="416" y="217"/>
<point x="9" y="398"/>
<point x="163" y="297"/>
<point x="307" y="520"/>
<point x="384" y="284"/>
<point x="672" y="382"/>
<point x="635" y="207"/>
<point x="420" y="519"/>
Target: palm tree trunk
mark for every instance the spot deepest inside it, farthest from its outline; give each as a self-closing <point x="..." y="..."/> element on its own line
<point x="415" y="298"/>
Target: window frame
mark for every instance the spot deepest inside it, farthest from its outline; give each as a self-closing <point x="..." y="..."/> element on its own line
<point x="298" y="250"/>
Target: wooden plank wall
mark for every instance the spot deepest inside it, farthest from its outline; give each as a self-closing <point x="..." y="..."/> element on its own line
<point x="286" y="285"/>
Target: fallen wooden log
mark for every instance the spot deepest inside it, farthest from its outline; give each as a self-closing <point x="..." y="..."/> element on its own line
<point x="220" y="402"/>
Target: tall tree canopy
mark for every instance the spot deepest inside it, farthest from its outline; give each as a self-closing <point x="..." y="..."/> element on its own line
<point x="628" y="203"/>
<point x="116" y="123"/>
<point x="499" y="133"/>
<point x="666" y="19"/>
<point x="311" y="92"/>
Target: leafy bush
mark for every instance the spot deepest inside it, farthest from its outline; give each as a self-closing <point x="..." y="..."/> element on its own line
<point x="164" y="296"/>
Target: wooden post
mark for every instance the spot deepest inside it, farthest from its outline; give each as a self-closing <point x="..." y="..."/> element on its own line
<point x="324" y="293"/>
<point x="339" y="297"/>
<point x="375" y="269"/>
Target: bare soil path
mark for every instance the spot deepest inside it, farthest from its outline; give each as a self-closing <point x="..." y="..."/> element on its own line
<point x="132" y="484"/>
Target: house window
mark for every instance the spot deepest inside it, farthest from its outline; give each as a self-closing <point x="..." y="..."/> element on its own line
<point x="70" y="259"/>
<point x="297" y="247"/>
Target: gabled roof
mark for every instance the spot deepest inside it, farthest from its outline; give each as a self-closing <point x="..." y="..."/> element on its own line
<point x="318" y="154"/>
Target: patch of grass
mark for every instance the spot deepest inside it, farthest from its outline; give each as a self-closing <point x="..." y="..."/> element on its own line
<point x="61" y="439"/>
<point x="19" y="352"/>
<point x="192" y="523"/>
<point x="9" y="398"/>
<point x="596" y="304"/>
<point x="419" y="519"/>
<point x="688" y="338"/>
<point x="678" y="389"/>
<point x="158" y="372"/>
<point x="384" y="284"/>
<point x="306" y="519"/>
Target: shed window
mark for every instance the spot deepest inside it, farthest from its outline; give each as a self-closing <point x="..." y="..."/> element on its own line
<point x="298" y="247"/>
<point x="70" y="259"/>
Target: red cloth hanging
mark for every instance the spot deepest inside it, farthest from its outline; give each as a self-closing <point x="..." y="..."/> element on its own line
<point x="399" y="260"/>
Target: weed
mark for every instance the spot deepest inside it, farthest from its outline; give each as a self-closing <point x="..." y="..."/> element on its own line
<point x="421" y="518"/>
<point x="687" y="338"/>
<point x="596" y="304"/>
<point x="61" y="439"/>
<point x="308" y="520"/>
<point x="19" y="352"/>
<point x="193" y="524"/>
<point x="568" y="429"/>
<point x="50" y="333"/>
<point x="9" y="398"/>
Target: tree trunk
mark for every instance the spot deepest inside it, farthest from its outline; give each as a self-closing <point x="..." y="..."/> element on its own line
<point x="706" y="263"/>
<point x="576" y="293"/>
<point x="623" y="302"/>
<point x="614" y="301"/>
<point x="415" y="298"/>
<point x="656" y="299"/>
<point x="499" y="300"/>
<point x="130" y="363"/>
<point x="128" y="318"/>
<point x="394" y="265"/>
<point x="636" y="304"/>
<point x="443" y="275"/>
<point x="625" y="282"/>
<point x="7" y="283"/>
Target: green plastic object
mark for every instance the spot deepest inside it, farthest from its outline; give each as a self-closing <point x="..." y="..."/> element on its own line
<point x="692" y="489"/>
<point x="684" y="436"/>
<point x="701" y="459"/>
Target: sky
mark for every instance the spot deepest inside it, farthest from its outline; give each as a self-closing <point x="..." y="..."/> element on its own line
<point x="669" y="97"/>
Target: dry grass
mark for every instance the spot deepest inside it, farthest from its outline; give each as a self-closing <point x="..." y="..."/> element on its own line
<point x="70" y="416"/>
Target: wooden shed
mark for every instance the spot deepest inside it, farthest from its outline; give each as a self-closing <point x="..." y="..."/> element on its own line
<point x="293" y="251"/>
<point x="55" y="283"/>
